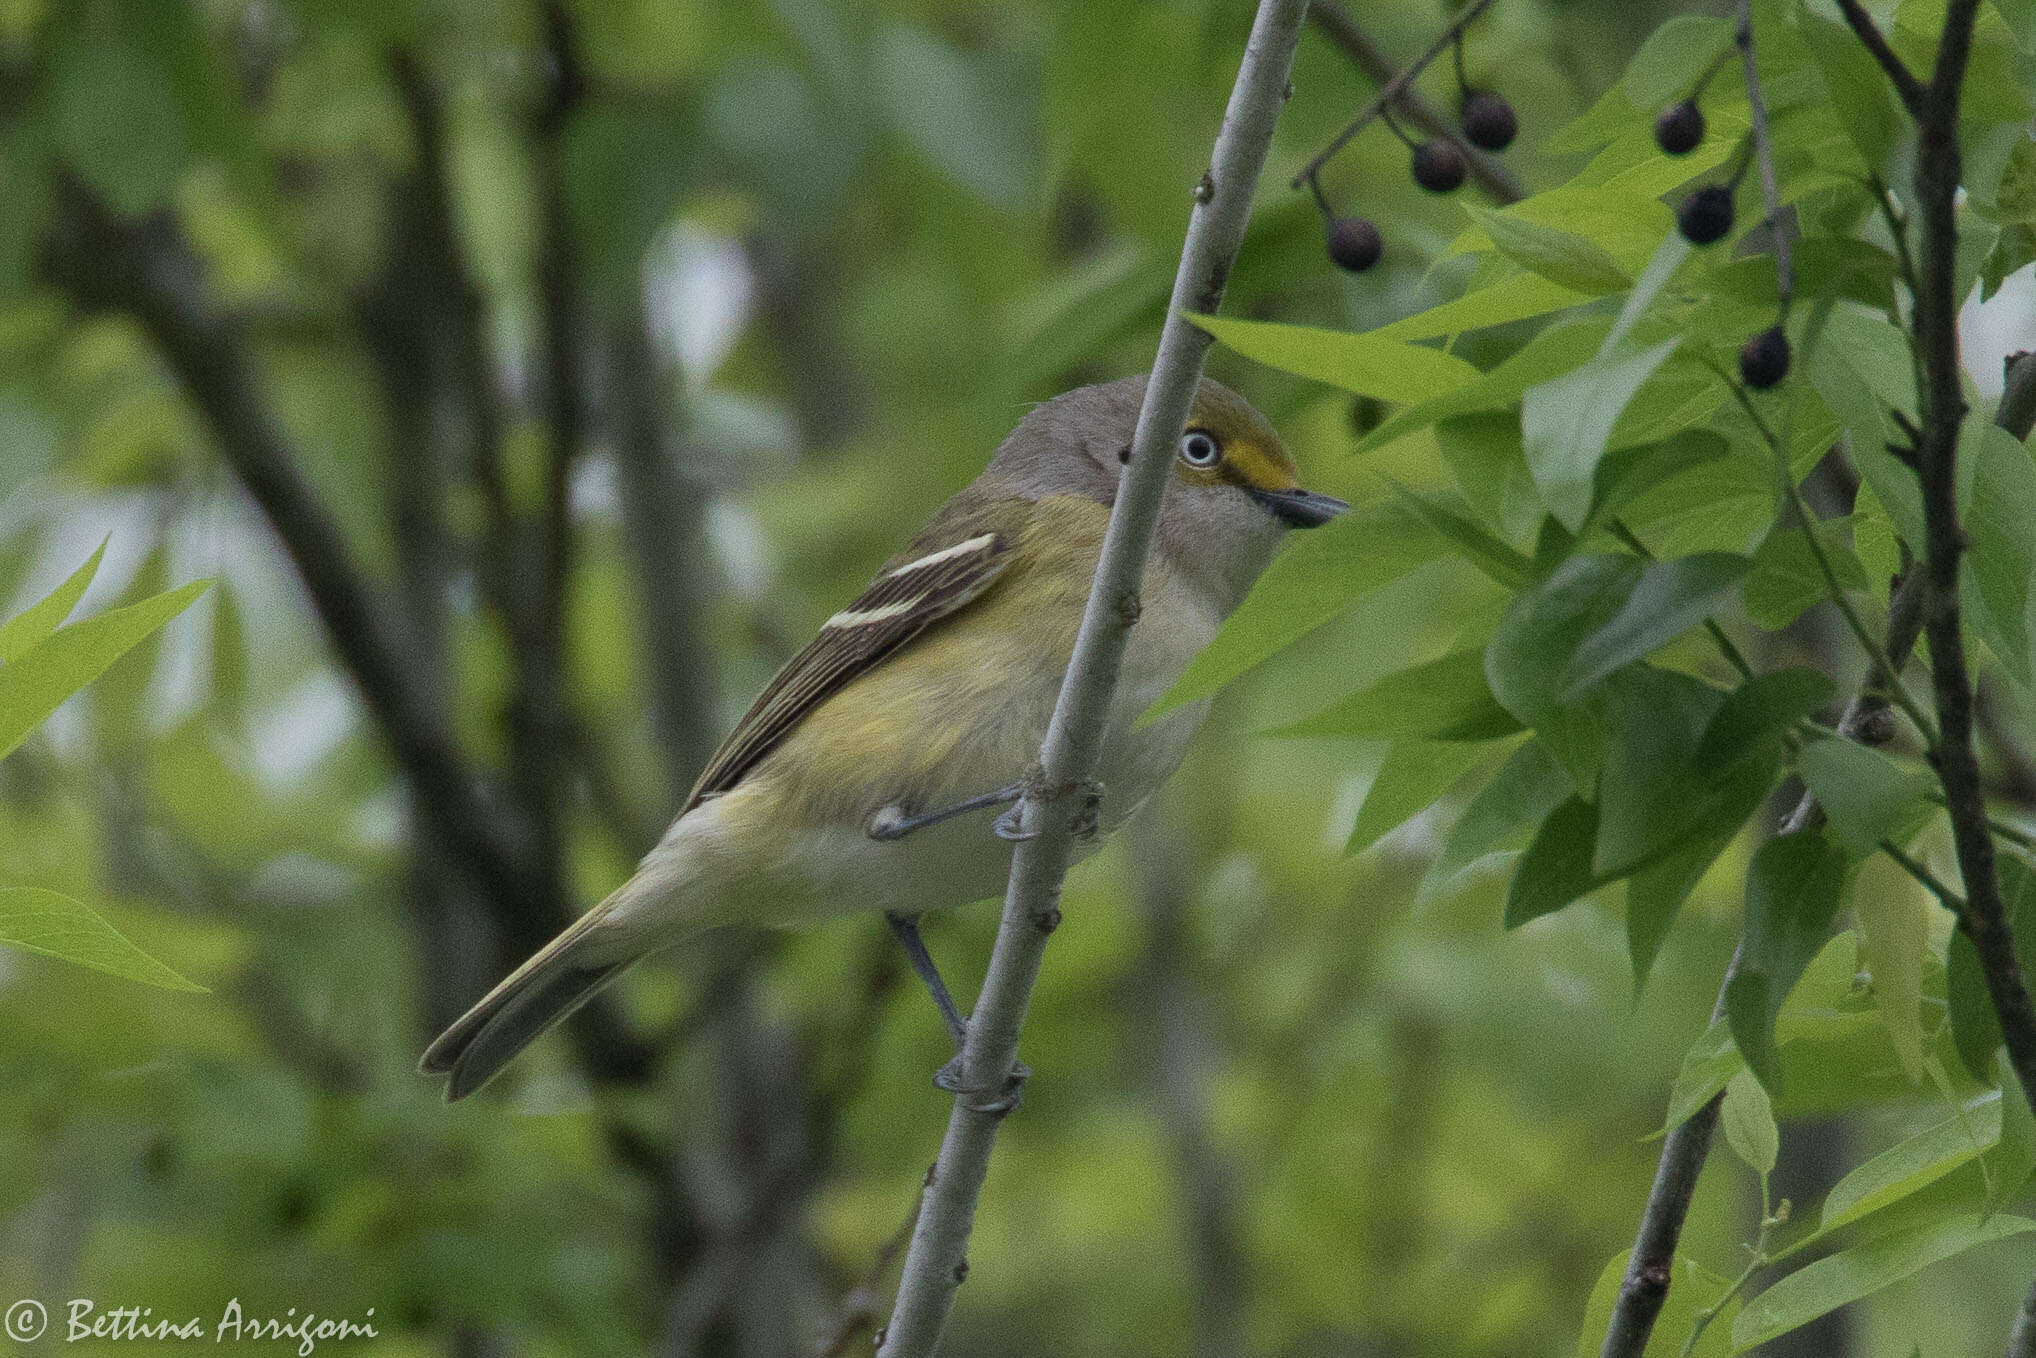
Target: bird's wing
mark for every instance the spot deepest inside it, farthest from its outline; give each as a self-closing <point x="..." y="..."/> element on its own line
<point x="949" y="566"/>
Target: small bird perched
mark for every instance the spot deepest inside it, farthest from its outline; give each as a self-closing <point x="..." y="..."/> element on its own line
<point x="850" y="782"/>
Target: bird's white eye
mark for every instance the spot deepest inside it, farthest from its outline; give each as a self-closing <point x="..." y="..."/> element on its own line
<point x="1199" y="448"/>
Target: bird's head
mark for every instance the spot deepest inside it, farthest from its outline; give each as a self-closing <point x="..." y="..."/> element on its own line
<point x="1231" y="493"/>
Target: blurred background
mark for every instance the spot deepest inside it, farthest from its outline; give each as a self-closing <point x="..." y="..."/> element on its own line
<point x="532" y="378"/>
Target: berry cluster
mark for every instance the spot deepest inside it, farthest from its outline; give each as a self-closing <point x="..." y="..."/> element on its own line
<point x="1488" y="123"/>
<point x="1706" y="216"/>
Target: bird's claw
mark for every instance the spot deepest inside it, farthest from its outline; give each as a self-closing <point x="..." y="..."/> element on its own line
<point x="1010" y="827"/>
<point x="1005" y="1099"/>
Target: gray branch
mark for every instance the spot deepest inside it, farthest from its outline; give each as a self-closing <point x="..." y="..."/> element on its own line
<point x="936" y="1261"/>
<point x="1763" y="149"/>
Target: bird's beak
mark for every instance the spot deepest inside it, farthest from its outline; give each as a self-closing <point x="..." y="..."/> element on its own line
<point x="1299" y="508"/>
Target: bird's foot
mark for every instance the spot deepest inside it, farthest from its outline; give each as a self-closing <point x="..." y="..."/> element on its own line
<point x="1003" y="1098"/>
<point x="1087" y="820"/>
<point x="1011" y="826"/>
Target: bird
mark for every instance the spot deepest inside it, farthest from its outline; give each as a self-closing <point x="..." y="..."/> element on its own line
<point x="862" y="776"/>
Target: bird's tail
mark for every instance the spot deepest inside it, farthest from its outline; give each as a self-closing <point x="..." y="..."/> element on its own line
<point x="536" y="997"/>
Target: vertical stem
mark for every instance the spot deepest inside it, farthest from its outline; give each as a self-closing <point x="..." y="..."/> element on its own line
<point x="936" y="1261"/>
<point x="1763" y="147"/>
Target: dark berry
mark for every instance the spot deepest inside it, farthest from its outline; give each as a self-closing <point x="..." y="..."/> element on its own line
<point x="1488" y="121"/>
<point x="1706" y="214"/>
<point x="1354" y="243"/>
<point x="1764" y="360"/>
<point x="1438" y="166"/>
<point x="1679" y="128"/>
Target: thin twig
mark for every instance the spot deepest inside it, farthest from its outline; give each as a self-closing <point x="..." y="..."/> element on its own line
<point x="1763" y="150"/>
<point x="1335" y="23"/>
<point x="1883" y="662"/>
<point x="936" y="1261"/>
<point x="1726" y="647"/>
<point x="1904" y="80"/>
<point x="858" y="1309"/>
<point x="1927" y="879"/>
<point x="1394" y="88"/>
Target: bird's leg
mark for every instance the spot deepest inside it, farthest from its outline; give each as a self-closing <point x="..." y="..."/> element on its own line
<point x="906" y="927"/>
<point x="891" y="822"/>
<point x="948" y="1077"/>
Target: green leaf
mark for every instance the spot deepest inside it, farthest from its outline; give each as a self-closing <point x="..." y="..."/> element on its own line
<point x="1513" y="299"/>
<point x="1647" y="793"/>
<point x="1657" y="889"/>
<point x="19" y="634"/>
<point x="1415" y="773"/>
<point x="1625" y="474"/>
<point x="1558" y="255"/>
<point x="1748" y="1120"/>
<point x="1911" y="1165"/>
<point x="1556" y="869"/>
<point x="2001" y="520"/>
<point x="1707" y="1067"/>
<point x="1849" y="1275"/>
<point x="1693" y="1289"/>
<point x="972" y="115"/>
<point x="2011" y="200"/>
<point x="37" y="683"/>
<point x="1668" y="257"/>
<point x="54" y="925"/>
<point x="1525" y="789"/>
<point x="2020" y="17"/>
<point x="1674" y="57"/>
<point x="1867" y="795"/>
<point x="1445" y="513"/>
<point x="1444" y="699"/>
<point x="1530" y="656"/>
<point x="1319" y="577"/>
<point x="1566" y="423"/>
<point x="1894" y="925"/>
<point x="1853" y="82"/>
<point x="2013" y="1157"/>
<point x="1483" y="453"/>
<point x="1757" y="713"/>
<point x="1670" y="598"/>
<point x="1785" y="580"/>
<point x="1675" y="786"/>
<point x="1558" y="348"/>
<point x="2013" y="249"/>
<point x="1365" y="364"/>
<point x="1793" y="890"/>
